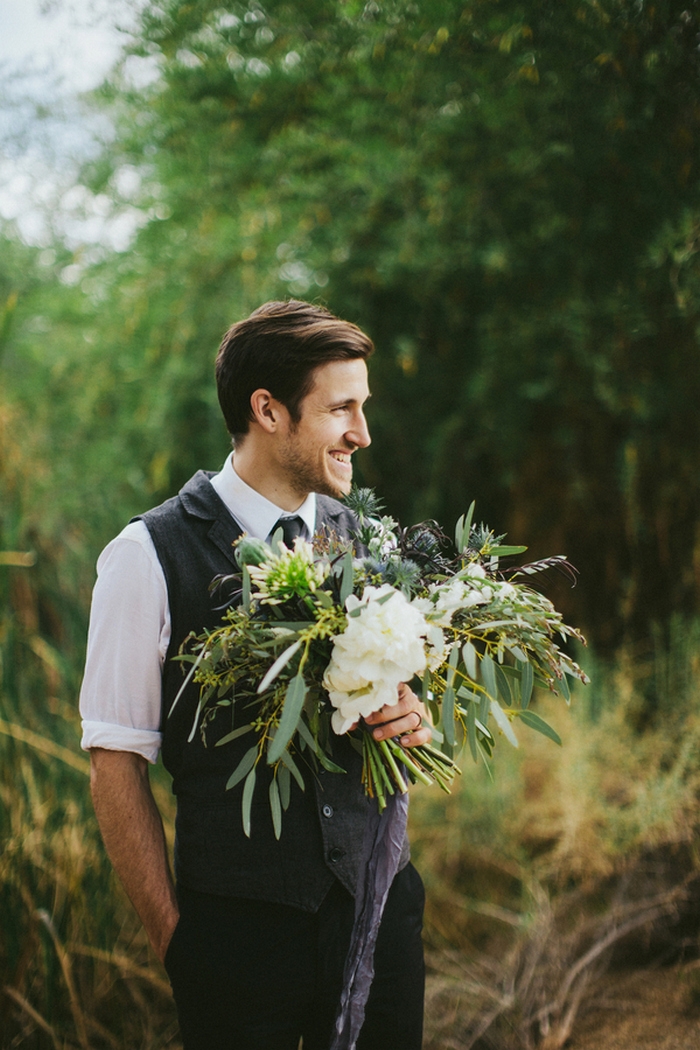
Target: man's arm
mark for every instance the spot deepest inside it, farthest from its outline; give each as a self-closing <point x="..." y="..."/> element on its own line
<point x="132" y="831"/>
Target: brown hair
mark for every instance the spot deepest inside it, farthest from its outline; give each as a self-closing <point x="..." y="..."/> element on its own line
<point x="278" y="348"/>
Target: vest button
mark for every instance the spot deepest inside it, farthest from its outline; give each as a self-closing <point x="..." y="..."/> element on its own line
<point x="327" y="810"/>
<point x="336" y="854"/>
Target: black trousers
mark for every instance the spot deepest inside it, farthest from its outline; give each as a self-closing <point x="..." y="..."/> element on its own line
<point x="249" y="975"/>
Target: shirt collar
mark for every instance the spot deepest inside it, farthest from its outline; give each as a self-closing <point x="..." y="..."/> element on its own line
<point x="256" y="514"/>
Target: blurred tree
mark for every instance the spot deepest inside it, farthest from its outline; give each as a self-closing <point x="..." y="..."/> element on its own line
<point x="505" y="194"/>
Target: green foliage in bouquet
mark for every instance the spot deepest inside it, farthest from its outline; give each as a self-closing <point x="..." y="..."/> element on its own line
<point x="317" y="639"/>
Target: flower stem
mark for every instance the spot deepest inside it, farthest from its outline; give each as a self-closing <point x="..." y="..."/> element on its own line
<point x="400" y="782"/>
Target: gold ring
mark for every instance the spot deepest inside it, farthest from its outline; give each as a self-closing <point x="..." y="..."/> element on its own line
<point x="420" y="722"/>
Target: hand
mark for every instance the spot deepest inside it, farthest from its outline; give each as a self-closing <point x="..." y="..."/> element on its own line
<point x="402" y="720"/>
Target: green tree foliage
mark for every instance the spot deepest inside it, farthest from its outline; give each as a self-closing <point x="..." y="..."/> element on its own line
<point x="503" y="193"/>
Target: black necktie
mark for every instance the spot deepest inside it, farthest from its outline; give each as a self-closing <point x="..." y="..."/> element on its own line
<point x="291" y="528"/>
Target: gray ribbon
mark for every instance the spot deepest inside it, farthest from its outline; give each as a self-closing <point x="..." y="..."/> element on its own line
<point x="381" y="852"/>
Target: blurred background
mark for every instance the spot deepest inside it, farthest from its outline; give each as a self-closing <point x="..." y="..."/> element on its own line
<point x="505" y="196"/>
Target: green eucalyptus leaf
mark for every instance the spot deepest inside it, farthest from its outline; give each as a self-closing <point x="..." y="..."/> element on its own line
<point x="469" y="656"/>
<point x="452" y="665"/>
<point x="307" y="736"/>
<point x="527" y="680"/>
<point x="291" y="713"/>
<point x="327" y="764"/>
<point x="278" y="666"/>
<point x="284" y="781"/>
<point x="234" y="735"/>
<point x="347" y="580"/>
<point x="448" y="715"/>
<point x="245" y="597"/>
<point x="243" y="767"/>
<point x="488" y="674"/>
<point x="247" y="801"/>
<point x="471" y="731"/>
<point x="293" y="768"/>
<point x="503" y="686"/>
<point x="275" y="808"/>
<point x="563" y="687"/>
<point x="504" y="549"/>
<point x="324" y="599"/>
<point x="535" y="722"/>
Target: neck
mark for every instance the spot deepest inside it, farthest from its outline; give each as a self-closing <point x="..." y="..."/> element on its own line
<point x="257" y="470"/>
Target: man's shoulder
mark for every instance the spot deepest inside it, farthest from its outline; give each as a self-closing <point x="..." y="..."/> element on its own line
<point x="328" y="508"/>
<point x="335" y="516"/>
<point x="197" y="497"/>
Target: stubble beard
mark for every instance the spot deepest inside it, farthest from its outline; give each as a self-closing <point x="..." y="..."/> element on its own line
<point x="305" y="477"/>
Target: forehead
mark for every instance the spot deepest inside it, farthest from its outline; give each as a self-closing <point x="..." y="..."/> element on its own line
<point x="339" y="381"/>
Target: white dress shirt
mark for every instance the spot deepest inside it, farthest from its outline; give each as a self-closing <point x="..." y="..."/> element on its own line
<point x="120" y="698"/>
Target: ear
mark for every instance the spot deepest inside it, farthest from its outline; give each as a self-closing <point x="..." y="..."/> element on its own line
<point x="268" y="412"/>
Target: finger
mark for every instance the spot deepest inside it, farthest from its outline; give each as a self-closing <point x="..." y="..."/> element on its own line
<point x="403" y="725"/>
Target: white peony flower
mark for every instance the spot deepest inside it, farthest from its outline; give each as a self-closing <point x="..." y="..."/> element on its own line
<point x="382" y="646"/>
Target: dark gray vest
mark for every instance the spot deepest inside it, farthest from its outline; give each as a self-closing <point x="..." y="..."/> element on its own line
<point x="322" y="830"/>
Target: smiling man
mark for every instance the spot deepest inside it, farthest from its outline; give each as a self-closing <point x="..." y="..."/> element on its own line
<point x="255" y="931"/>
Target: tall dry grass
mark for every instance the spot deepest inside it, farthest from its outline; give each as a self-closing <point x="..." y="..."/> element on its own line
<point x="534" y="882"/>
<point x="574" y="860"/>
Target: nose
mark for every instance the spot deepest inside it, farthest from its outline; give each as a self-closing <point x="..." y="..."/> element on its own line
<point x="358" y="434"/>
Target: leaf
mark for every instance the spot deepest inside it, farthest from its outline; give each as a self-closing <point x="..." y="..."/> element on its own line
<point x="243" y="767"/>
<point x="527" y="679"/>
<point x="452" y="665"/>
<point x="448" y="715"/>
<point x="284" y="781"/>
<point x="306" y="735"/>
<point x="504" y="549"/>
<point x="463" y="528"/>
<point x="470" y="660"/>
<point x="247" y="801"/>
<point x="327" y="764"/>
<point x="190" y="673"/>
<point x="517" y="652"/>
<point x="426" y="693"/>
<point x="245" y="596"/>
<point x="484" y="708"/>
<point x="234" y="735"/>
<point x="347" y="578"/>
<point x="563" y="687"/>
<point x="291" y="713"/>
<point x="471" y="731"/>
<point x="280" y="663"/>
<point x="503" y="722"/>
<point x="535" y="722"/>
<point x="485" y="754"/>
<point x="293" y="768"/>
<point x="503" y="687"/>
<point x="275" y="808"/>
<point x="485" y="732"/>
<point x="488" y="673"/>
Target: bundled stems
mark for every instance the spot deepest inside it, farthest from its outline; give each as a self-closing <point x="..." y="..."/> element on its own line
<point x="382" y="775"/>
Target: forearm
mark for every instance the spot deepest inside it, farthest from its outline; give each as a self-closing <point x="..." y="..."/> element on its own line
<point x="132" y="831"/>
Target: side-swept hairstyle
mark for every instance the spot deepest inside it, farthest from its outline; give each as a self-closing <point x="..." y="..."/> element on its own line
<point x="277" y="348"/>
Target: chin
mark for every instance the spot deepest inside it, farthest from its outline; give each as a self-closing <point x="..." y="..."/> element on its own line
<point x="335" y="487"/>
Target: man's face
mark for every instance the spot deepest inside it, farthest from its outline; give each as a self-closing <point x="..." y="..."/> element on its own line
<point x="315" y="452"/>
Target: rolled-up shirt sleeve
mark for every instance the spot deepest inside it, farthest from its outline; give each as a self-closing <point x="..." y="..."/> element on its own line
<point x="120" y="698"/>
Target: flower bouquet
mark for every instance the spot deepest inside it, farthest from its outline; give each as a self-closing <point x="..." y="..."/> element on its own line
<point x="318" y="638"/>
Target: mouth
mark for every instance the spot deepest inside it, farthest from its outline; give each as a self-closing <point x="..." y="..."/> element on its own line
<point x="342" y="459"/>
